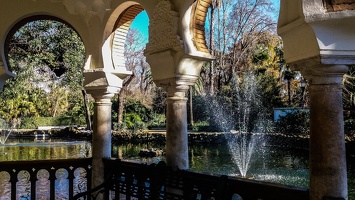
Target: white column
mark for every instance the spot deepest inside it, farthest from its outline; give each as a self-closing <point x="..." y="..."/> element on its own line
<point x="101" y="137"/>
<point x="102" y="86"/>
<point x="327" y="158"/>
<point x="177" y="154"/>
<point x="176" y="131"/>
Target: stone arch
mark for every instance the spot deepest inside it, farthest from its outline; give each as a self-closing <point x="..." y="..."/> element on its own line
<point x="116" y="32"/>
<point x="120" y="32"/>
<point x="200" y="9"/>
<point x="21" y="23"/>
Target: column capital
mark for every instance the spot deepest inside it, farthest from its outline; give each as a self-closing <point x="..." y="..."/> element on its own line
<point x="102" y="95"/>
<point x="102" y="85"/>
<point x="176" y="87"/>
<point x="324" y="74"/>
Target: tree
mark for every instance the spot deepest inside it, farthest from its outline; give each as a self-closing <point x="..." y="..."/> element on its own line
<point x="47" y="56"/>
<point x="216" y="4"/>
<point x="240" y="24"/>
<point x="135" y="62"/>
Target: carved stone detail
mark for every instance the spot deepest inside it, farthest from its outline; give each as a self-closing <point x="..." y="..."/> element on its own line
<point x="339" y="5"/>
<point x="85" y="8"/>
<point x="163" y="29"/>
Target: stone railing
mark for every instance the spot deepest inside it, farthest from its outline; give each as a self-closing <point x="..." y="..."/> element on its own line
<point x="44" y="179"/>
<point x="130" y="180"/>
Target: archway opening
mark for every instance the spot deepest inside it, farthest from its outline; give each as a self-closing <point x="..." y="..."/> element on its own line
<point x="133" y="106"/>
<point x="47" y="56"/>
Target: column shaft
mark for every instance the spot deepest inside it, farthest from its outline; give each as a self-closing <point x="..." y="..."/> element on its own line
<point x="327" y="161"/>
<point x="176" y="133"/>
<point x="101" y="139"/>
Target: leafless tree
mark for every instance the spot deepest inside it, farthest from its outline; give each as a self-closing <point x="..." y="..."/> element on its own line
<point x="236" y="25"/>
<point x="135" y="62"/>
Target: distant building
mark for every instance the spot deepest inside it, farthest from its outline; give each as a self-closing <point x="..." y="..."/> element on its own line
<point x="280" y="112"/>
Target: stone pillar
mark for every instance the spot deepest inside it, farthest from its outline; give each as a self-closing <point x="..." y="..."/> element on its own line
<point x="102" y="85"/>
<point x="327" y="159"/>
<point x="176" y="126"/>
<point x="101" y="137"/>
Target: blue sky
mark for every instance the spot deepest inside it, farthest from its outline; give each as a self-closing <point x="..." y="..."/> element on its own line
<point x="141" y="21"/>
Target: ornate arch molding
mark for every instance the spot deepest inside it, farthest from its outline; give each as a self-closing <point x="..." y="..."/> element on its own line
<point x="311" y="34"/>
<point x="200" y="9"/>
<point x="120" y="31"/>
<point x="339" y="5"/>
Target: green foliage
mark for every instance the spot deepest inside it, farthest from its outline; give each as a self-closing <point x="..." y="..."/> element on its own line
<point x="58" y="121"/>
<point x="201" y="109"/>
<point x="296" y="122"/>
<point x="3" y="124"/>
<point x="133" y="121"/>
<point x="269" y="91"/>
<point x="134" y="106"/>
<point x="349" y="126"/>
<point x="31" y="123"/>
<point x="246" y="104"/>
<point x="159" y="101"/>
<point x="157" y="121"/>
<point x="47" y="57"/>
<point x="28" y="123"/>
<point x="349" y="89"/>
<point x="261" y="54"/>
<point x="200" y="126"/>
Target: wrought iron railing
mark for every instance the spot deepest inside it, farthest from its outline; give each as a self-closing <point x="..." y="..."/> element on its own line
<point x="130" y="180"/>
<point x="44" y="179"/>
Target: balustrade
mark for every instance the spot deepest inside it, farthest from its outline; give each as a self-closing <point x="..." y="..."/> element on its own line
<point x="132" y="180"/>
<point x="44" y="179"/>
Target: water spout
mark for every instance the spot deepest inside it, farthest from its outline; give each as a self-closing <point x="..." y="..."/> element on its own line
<point x="5" y="133"/>
<point x="241" y="146"/>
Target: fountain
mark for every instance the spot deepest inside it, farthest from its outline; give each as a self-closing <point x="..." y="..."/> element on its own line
<point x="5" y="133"/>
<point x="6" y="130"/>
<point x="244" y="124"/>
<point x="241" y="146"/>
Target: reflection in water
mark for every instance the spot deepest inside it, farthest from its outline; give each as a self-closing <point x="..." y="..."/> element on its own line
<point x="42" y="184"/>
<point x="273" y="164"/>
<point x="18" y="150"/>
<point x="26" y="149"/>
<point x="61" y="184"/>
<point x="5" y="190"/>
<point x="23" y="185"/>
<point x="80" y="180"/>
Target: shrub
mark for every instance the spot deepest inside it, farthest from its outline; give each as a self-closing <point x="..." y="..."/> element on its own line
<point x="349" y="126"/>
<point x="296" y="122"/>
<point x="133" y="121"/>
<point x="134" y="106"/>
<point x="199" y="126"/>
<point x="28" y="123"/>
<point x="157" y="121"/>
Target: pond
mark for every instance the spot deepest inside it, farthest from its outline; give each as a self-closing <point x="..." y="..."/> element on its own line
<point x="268" y="163"/>
<point x="33" y="149"/>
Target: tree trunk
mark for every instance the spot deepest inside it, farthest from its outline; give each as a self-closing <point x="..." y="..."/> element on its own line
<point x="121" y="98"/>
<point x="87" y="110"/>
<point x="120" y="107"/>
<point x="289" y="92"/>
<point x="212" y="63"/>
<point x="191" y="111"/>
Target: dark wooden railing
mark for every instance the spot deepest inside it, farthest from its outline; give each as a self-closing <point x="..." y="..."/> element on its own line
<point x="44" y="179"/>
<point x="130" y="180"/>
